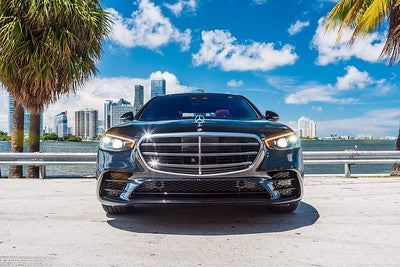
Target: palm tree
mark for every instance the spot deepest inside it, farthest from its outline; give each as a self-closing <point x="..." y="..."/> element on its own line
<point x="17" y="140"/>
<point x="365" y="16"/>
<point x="48" y="49"/>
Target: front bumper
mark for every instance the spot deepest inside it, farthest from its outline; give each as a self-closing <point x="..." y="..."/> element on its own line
<point x="261" y="190"/>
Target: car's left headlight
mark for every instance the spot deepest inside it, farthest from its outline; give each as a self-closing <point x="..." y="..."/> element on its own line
<point x="282" y="141"/>
<point x="115" y="142"/>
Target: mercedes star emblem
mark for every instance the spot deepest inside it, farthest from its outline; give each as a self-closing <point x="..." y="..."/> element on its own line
<point x="199" y="119"/>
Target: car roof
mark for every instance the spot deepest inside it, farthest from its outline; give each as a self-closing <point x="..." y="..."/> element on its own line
<point x="200" y="94"/>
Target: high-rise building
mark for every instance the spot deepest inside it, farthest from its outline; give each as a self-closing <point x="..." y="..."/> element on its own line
<point x="107" y="117"/>
<point x="139" y="97"/>
<point x="61" y="124"/>
<point x="86" y="123"/>
<point x="100" y="127"/>
<point x="158" y="87"/>
<point x="114" y="110"/>
<point x="26" y="118"/>
<point x="307" y="127"/>
<point x="313" y="129"/>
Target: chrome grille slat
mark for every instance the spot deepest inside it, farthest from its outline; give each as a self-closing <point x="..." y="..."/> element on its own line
<point x="202" y="154"/>
<point x="203" y="144"/>
<point x="213" y="153"/>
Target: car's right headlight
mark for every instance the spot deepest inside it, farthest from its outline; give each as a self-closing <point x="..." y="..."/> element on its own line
<point x="282" y="141"/>
<point x="115" y="142"/>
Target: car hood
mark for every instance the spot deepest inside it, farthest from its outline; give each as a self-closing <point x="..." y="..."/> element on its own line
<point x="262" y="128"/>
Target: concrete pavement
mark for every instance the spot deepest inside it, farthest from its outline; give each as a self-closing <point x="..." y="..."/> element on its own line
<point x="339" y="222"/>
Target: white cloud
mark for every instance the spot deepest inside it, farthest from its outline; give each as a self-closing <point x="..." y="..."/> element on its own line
<point x="316" y="93"/>
<point x="220" y="49"/>
<point x="367" y="48"/>
<point x="234" y="83"/>
<point x="353" y="79"/>
<point x="147" y="27"/>
<point x="297" y="27"/>
<point x="380" y="122"/>
<point x="317" y="108"/>
<point x="259" y="2"/>
<point x="304" y="93"/>
<point x="180" y="5"/>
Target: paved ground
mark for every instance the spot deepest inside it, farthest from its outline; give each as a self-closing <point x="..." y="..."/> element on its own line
<point x="340" y="222"/>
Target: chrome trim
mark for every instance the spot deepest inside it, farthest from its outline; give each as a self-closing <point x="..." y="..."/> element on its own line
<point x="202" y="154"/>
<point x="208" y="166"/>
<point x="256" y="162"/>
<point x="199" y="159"/>
<point x="204" y="144"/>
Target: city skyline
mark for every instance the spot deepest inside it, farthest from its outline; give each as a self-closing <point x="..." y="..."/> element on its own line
<point x="293" y="68"/>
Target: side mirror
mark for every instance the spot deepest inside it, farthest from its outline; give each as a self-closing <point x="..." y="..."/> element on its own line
<point x="127" y="117"/>
<point x="271" y="116"/>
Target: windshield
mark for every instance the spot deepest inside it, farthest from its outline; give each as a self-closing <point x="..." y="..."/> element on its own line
<point x="177" y="107"/>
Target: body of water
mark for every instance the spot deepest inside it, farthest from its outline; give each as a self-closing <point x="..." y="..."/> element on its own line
<point x="309" y="145"/>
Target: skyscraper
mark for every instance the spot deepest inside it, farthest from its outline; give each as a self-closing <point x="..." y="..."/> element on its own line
<point x="107" y="118"/>
<point x="158" y="87"/>
<point x="139" y="97"/>
<point x="86" y="123"/>
<point x="114" y="110"/>
<point x="61" y="124"/>
<point x="26" y="118"/>
<point x="313" y="129"/>
<point x="307" y="127"/>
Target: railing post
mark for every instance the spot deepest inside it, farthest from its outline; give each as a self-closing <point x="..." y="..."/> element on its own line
<point x="347" y="170"/>
<point x="42" y="171"/>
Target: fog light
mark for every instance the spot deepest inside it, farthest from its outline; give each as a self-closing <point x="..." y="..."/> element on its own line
<point x="283" y="183"/>
<point x="286" y="192"/>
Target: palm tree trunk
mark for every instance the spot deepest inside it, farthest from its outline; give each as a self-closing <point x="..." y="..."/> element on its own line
<point x="34" y="142"/>
<point x="17" y="138"/>
<point x="396" y="166"/>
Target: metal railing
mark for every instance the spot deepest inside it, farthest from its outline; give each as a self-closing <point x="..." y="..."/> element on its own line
<point x="350" y="157"/>
<point x="46" y="159"/>
<point x="346" y="158"/>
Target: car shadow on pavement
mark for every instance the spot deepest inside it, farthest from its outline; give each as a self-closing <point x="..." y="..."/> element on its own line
<point x="212" y="220"/>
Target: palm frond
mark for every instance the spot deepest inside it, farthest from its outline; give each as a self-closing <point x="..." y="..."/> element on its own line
<point x="374" y="15"/>
<point x="49" y="47"/>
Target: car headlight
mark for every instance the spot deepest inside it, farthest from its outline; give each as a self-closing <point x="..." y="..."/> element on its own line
<point x="282" y="141"/>
<point x="114" y="142"/>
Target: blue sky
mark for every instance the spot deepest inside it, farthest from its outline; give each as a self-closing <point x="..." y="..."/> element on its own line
<point x="276" y="53"/>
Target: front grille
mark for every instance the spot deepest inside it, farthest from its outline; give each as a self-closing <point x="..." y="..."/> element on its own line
<point x="200" y="187"/>
<point x="199" y="154"/>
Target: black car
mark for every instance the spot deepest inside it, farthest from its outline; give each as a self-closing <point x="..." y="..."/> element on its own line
<point x="199" y="148"/>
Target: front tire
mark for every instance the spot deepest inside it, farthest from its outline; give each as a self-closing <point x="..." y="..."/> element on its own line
<point x="116" y="209"/>
<point x="289" y="208"/>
